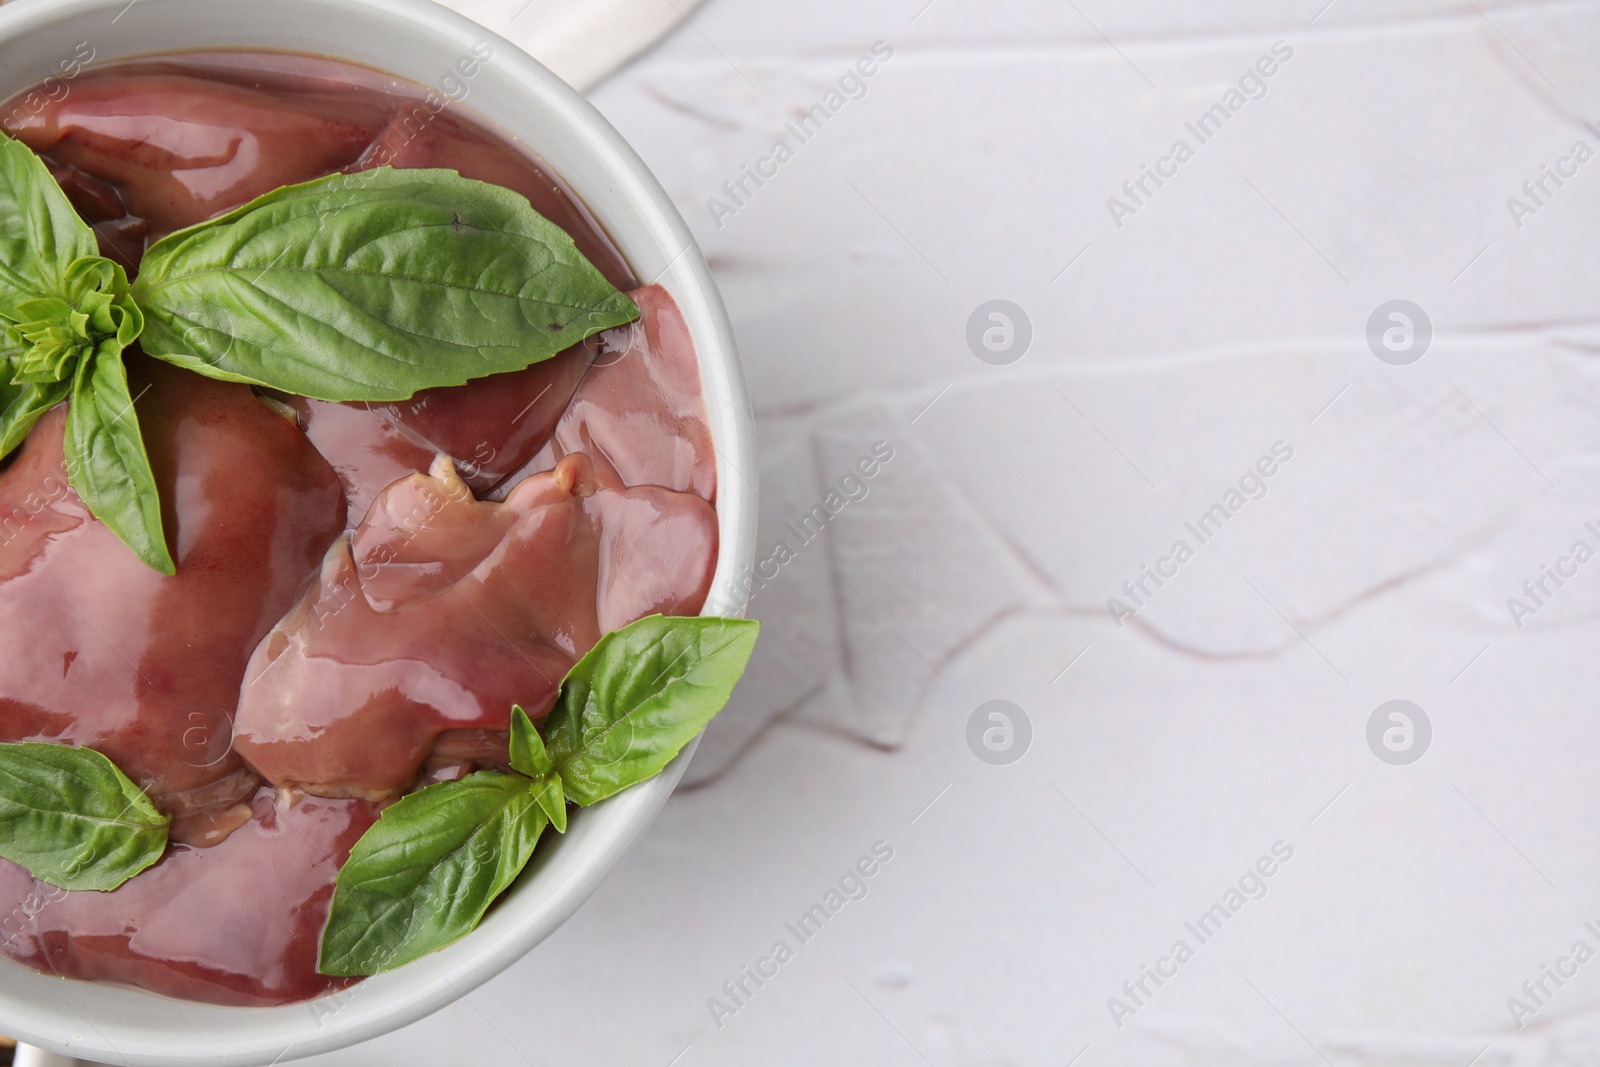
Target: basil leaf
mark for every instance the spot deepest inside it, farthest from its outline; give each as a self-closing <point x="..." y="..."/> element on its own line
<point x="21" y="406"/>
<point x="41" y="239"/>
<point x="40" y="233"/>
<point x="639" y="696"/>
<point x="427" y="870"/>
<point x="372" y="286"/>
<point x="529" y="757"/>
<point x="53" y="333"/>
<point x="106" y="459"/>
<point x="73" y="819"/>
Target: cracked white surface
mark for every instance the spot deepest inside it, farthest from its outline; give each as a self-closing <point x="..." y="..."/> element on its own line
<point x="1227" y="315"/>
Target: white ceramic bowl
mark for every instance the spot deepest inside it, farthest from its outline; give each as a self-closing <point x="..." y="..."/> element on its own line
<point x="417" y="40"/>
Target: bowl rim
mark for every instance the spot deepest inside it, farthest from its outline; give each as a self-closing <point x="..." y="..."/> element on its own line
<point x="645" y="225"/>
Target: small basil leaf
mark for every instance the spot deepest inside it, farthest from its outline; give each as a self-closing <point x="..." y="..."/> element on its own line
<point x="529" y="757"/>
<point x="54" y="333"/>
<point x="21" y="406"/>
<point x="372" y="286"/>
<point x="41" y="236"/>
<point x="106" y="459"/>
<point x="427" y="870"/>
<point x="73" y="819"/>
<point x="639" y="696"/>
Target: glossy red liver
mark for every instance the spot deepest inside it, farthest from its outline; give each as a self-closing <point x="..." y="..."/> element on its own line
<point x="629" y="399"/>
<point x="104" y="651"/>
<point x="149" y="147"/>
<point x="177" y="156"/>
<point x="489" y="427"/>
<point x="639" y="413"/>
<point x="443" y="611"/>
<point x="396" y="663"/>
<point x="235" y="924"/>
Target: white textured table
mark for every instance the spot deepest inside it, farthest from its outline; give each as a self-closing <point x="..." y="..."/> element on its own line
<point x="1169" y="757"/>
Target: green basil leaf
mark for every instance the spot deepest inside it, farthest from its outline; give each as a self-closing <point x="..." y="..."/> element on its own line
<point x="41" y="234"/>
<point x="53" y="333"/>
<point x="106" y="459"/>
<point x="427" y="870"/>
<point x="73" y="819"/>
<point x="639" y="696"/>
<point x="529" y="757"/>
<point x="372" y="286"/>
<point x="21" y="406"/>
<point x="41" y="240"/>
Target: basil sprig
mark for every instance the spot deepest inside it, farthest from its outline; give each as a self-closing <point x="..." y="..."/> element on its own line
<point x="639" y="696"/>
<point x="73" y="819"/>
<point x="41" y="236"/>
<point x="428" y="869"/>
<point x="353" y="287"/>
<point x="67" y="315"/>
<point x="529" y="758"/>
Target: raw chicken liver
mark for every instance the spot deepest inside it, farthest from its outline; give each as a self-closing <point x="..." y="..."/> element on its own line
<point x="639" y="413"/>
<point x="628" y="398"/>
<point x="398" y="662"/>
<point x="148" y="147"/>
<point x="106" y="652"/>
<point x="490" y="427"/>
<point x="195" y="925"/>
<point x="442" y="611"/>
